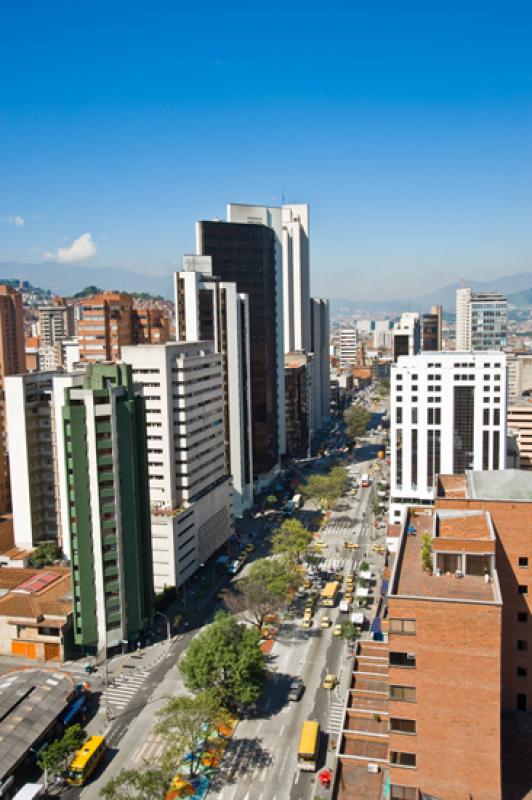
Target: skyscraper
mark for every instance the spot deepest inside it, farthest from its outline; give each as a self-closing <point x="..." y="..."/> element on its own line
<point x="480" y="320"/>
<point x="448" y="414"/>
<point x="319" y="347"/>
<point x="431" y="334"/>
<point x="249" y="255"/>
<point x="107" y="502"/>
<point x="208" y="309"/>
<point x="12" y="362"/>
<point x="190" y="491"/>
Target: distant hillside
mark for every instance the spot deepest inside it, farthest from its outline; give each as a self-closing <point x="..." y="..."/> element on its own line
<point x="521" y="299"/>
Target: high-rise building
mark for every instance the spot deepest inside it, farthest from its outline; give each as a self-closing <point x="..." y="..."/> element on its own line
<point x="249" y="255"/>
<point x="32" y="458"/>
<point x="150" y="325"/>
<point x="480" y="320"/>
<point x="406" y="335"/>
<point x="190" y="492"/>
<point x="56" y="322"/>
<point x="320" y="336"/>
<point x="448" y="414"/>
<point x="12" y="362"/>
<point x="347" y="347"/>
<point x="107" y="504"/>
<point x="296" y="276"/>
<point x="431" y="334"/>
<point x="208" y="309"/>
<point x="298" y="397"/>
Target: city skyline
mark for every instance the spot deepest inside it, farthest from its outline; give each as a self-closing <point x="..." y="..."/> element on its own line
<point x="407" y="133"/>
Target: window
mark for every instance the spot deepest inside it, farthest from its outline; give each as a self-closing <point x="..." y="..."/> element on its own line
<point x="486" y="416"/>
<point x="398" y="725"/>
<point x="404" y="793"/>
<point x="497" y="416"/>
<point x="522" y="644"/>
<point x="522" y="616"/>
<point x="521" y="702"/>
<point x="523" y="561"/>
<point x="399" y="415"/>
<point x="402" y="659"/>
<point x="402" y="759"/>
<point x="414" y="416"/>
<point x="404" y="626"/>
<point x="522" y="588"/>
<point x="413" y="457"/>
<point x="406" y="693"/>
<point x="521" y="672"/>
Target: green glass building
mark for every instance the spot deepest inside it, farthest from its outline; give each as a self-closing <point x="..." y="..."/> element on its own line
<point x="104" y="430"/>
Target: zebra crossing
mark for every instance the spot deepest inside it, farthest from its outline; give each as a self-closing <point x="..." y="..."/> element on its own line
<point x="336" y="719"/>
<point x="123" y="689"/>
<point x="342" y="529"/>
<point x="150" y="751"/>
<point x="338" y="564"/>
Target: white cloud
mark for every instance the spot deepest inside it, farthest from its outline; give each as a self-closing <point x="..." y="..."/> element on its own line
<point x="81" y="249"/>
<point x="16" y="220"/>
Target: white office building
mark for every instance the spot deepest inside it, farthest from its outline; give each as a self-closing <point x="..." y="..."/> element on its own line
<point x="211" y="310"/>
<point x="347" y="347"/>
<point x="190" y="491"/>
<point x="481" y="320"/>
<point x="448" y="415"/>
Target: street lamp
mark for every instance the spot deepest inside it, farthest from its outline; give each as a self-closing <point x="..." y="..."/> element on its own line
<point x="168" y="632"/>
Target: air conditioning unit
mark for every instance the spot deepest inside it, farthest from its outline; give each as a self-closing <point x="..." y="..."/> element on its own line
<point x="411" y="656"/>
<point x="373" y="767"/>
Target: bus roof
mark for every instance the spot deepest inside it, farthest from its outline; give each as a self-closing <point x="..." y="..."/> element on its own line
<point x="86" y="751"/>
<point x="330" y="589"/>
<point x="308" y="740"/>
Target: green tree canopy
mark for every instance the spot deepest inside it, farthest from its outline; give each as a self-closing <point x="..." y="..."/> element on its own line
<point x="187" y="723"/>
<point x="291" y="540"/>
<point x="55" y="758"/>
<point x="130" y="784"/>
<point x="226" y="657"/>
<point x="326" y="489"/>
<point x="357" y="419"/>
<point x="267" y="586"/>
<point x="45" y="554"/>
<point x="87" y="292"/>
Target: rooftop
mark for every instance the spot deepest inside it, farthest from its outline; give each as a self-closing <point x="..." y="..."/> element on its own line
<point x="503" y="484"/>
<point x="30" y="702"/>
<point x="35" y="594"/>
<point x="410" y="579"/>
<point x="463" y="525"/>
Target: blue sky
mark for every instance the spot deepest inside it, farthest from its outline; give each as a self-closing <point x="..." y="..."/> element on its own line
<point x="407" y="126"/>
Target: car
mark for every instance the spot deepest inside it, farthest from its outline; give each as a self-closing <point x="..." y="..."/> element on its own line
<point x="348" y="597"/>
<point x="307" y="623"/>
<point x="306" y="584"/>
<point x="308" y="612"/>
<point x="329" y="681"/>
<point x="296" y="689"/>
<point x="337" y="630"/>
<point x="234" y="567"/>
<point x="351" y="546"/>
<point x="326" y="622"/>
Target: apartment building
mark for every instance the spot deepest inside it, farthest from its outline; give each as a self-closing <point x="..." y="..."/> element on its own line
<point x="106" y="499"/>
<point x="190" y="493"/>
<point x="481" y="319"/>
<point x="448" y="414"/>
<point x="150" y="325"/>
<point x="249" y="255"/>
<point x="406" y="335"/>
<point x="208" y="309"/>
<point x="12" y="362"/>
<point x="56" y="322"/>
<point x="320" y="336"/>
<point x="520" y="424"/>
<point x="33" y="458"/>
<point x="347" y="347"/>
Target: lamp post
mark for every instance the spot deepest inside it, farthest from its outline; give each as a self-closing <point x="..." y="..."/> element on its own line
<point x="168" y="631"/>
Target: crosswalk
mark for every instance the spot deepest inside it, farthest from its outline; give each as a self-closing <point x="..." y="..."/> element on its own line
<point x="338" y="529"/>
<point x="122" y="691"/>
<point x="336" y="719"/>
<point x="338" y="564"/>
<point x="150" y="751"/>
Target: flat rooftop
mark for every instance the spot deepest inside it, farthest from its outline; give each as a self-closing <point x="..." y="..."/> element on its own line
<point x="411" y="580"/>
<point x="502" y="484"/>
<point x="463" y="525"/>
<point x="30" y="702"/>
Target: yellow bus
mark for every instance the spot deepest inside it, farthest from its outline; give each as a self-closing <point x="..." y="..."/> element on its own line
<point x="86" y="760"/>
<point x="329" y="594"/>
<point x="309" y="745"/>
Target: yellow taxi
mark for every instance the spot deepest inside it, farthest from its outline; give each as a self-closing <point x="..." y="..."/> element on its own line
<point x="329" y="681"/>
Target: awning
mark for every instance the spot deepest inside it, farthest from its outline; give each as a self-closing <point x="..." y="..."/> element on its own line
<point x="366" y="575"/>
<point x="362" y="592"/>
<point x="376" y="625"/>
<point x="357" y="618"/>
<point x="384" y="588"/>
<point x="73" y="709"/>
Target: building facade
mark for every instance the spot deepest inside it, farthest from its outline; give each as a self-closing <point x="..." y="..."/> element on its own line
<point x="347" y="347"/>
<point x="481" y="320"/>
<point x="320" y="335"/>
<point x="108" y="524"/>
<point x="520" y="424"/>
<point x="431" y="333"/>
<point x="211" y="310"/>
<point x="298" y="394"/>
<point x="190" y="493"/>
<point x="406" y="335"/>
<point x="448" y="414"/>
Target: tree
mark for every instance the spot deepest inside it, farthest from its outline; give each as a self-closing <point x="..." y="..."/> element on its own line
<point x="131" y="784"/>
<point x="87" y="292"/>
<point x="292" y="540"/>
<point x="326" y="489"/>
<point x="426" y="552"/>
<point x="357" y="419"/>
<point x="55" y="758"/>
<point x="267" y="586"/>
<point x="350" y="632"/>
<point x="226" y="657"/>
<point x="45" y="554"/>
<point x="187" y="723"/>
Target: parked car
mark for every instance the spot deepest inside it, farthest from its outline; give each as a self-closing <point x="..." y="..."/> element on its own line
<point x="296" y="689"/>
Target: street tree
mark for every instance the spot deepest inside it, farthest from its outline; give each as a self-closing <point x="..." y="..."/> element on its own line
<point x="150" y="783"/>
<point x="57" y="755"/>
<point x="357" y="419"/>
<point x="226" y="658"/>
<point x="350" y="632"/>
<point x="292" y="540"/>
<point x="267" y="586"/>
<point x="187" y="723"/>
<point x="326" y="489"/>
